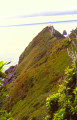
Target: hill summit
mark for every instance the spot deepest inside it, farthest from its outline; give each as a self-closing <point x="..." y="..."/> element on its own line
<point x="43" y="36"/>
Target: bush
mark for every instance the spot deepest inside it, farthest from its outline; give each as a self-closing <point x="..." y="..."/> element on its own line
<point x="4" y="115"/>
<point x="63" y="105"/>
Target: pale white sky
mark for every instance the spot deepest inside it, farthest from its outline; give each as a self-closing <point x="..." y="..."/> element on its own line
<point x="13" y="40"/>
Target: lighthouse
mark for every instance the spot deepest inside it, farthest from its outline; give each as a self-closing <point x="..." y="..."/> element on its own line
<point x="51" y="29"/>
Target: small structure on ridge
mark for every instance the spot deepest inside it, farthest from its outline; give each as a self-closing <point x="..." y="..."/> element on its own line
<point x="51" y="29"/>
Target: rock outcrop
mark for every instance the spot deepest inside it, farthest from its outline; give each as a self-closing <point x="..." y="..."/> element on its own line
<point x="10" y="74"/>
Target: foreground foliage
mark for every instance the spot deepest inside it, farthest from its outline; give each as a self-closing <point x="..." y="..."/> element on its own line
<point x="4" y="115"/>
<point x="63" y="105"/>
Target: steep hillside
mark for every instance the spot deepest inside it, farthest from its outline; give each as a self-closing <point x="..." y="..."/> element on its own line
<point x="41" y="68"/>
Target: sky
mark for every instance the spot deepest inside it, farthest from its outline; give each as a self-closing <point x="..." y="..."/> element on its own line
<point x="14" y="14"/>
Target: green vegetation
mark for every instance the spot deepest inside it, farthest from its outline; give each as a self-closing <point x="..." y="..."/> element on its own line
<point x="63" y="105"/>
<point x="4" y="115"/>
<point x="39" y="73"/>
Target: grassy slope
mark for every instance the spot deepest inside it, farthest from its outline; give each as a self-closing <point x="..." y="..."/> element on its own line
<point x="41" y="65"/>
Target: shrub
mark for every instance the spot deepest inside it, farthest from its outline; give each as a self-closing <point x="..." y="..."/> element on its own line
<point x="63" y="105"/>
<point x="4" y="115"/>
